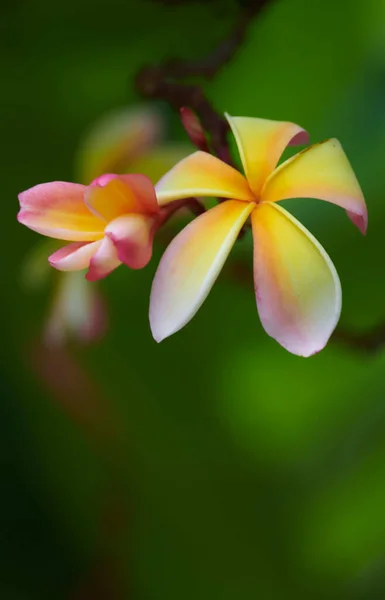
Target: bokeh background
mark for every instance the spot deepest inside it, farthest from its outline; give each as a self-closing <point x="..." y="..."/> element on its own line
<point x="214" y="466"/>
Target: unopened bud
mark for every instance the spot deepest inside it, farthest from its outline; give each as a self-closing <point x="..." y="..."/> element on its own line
<point x="194" y="129"/>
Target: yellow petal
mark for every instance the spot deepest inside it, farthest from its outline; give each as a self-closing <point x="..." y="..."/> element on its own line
<point x="260" y="143"/>
<point x="297" y="287"/>
<point x="191" y="264"/>
<point x="111" y="196"/>
<point x="202" y="174"/>
<point x="321" y="171"/>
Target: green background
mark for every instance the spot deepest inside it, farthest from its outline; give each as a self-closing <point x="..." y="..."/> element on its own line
<point x="214" y="465"/>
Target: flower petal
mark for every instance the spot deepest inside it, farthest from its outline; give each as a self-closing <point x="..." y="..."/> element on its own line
<point x="202" y="174"/>
<point x="261" y="142"/>
<point x="158" y="161"/>
<point x="77" y="310"/>
<point x="132" y="236"/>
<point x="191" y="264"/>
<point x="104" y="261"/>
<point x="35" y="269"/>
<point x="74" y="257"/>
<point x="297" y="287"/>
<point x="321" y="171"/>
<point x="111" y="196"/>
<point x="118" y="138"/>
<point x="57" y="209"/>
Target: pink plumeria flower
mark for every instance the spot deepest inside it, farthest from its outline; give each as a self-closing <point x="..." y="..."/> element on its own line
<point x="298" y="291"/>
<point x="77" y="311"/>
<point x="110" y="222"/>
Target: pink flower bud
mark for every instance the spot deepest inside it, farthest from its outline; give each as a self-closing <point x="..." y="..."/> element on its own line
<point x="194" y="129"/>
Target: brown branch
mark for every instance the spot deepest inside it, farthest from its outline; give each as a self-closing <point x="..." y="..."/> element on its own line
<point x="152" y="82"/>
<point x="163" y="82"/>
<point x="192" y="204"/>
<point x="209" y="66"/>
<point x="368" y="342"/>
<point x="195" y="206"/>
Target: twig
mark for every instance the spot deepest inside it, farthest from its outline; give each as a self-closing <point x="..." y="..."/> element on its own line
<point x="163" y="81"/>
<point x="369" y="342"/>
<point x="195" y="206"/>
<point x="152" y="82"/>
<point x="209" y="66"/>
<point x="169" y="210"/>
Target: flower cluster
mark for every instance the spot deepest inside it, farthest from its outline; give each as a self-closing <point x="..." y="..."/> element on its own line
<point x="129" y="139"/>
<point x="115" y="218"/>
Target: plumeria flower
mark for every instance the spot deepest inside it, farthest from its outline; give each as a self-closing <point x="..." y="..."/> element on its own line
<point x="76" y="309"/>
<point x="110" y="222"/>
<point x="297" y="288"/>
<point x="126" y="139"/>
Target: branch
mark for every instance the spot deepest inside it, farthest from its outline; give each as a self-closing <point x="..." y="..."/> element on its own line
<point x="162" y="81"/>
<point x="152" y="82"/>
<point x="192" y="204"/>
<point x="209" y="66"/>
<point x="369" y="342"/>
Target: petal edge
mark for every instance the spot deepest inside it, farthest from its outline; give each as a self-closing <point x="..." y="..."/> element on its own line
<point x="202" y="174"/>
<point x="57" y="209"/>
<point x="74" y="257"/>
<point x="322" y="171"/>
<point x="191" y="264"/>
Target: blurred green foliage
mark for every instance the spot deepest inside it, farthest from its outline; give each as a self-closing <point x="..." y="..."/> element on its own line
<point x="214" y="465"/>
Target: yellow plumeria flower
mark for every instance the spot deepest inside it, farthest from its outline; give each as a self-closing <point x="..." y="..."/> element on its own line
<point x="297" y="288"/>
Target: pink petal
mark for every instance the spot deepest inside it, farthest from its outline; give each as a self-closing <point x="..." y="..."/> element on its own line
<point x="300" y="139"/>
<point x="297" y="287"/>
<point x="111" y="196"/>
<point x="359" y="220"/>
<point x="57" y="209"/>
<point x="104" y="261"/>
<point x="193" y="128"/>
<point x="77" y="310"/>
<point x="74" y="257"/>
<point x="132" y="235"/>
